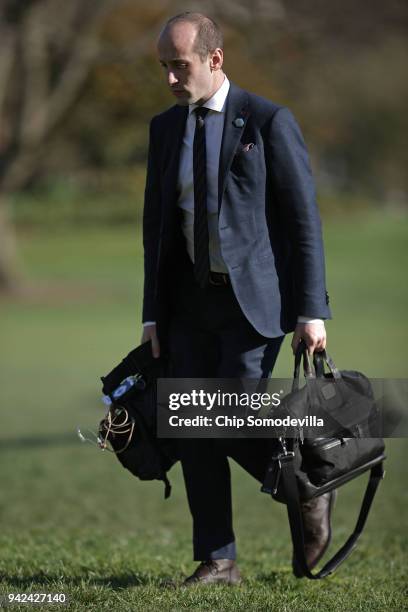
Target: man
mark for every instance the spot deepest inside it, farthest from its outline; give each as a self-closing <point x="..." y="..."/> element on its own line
<point x="233" y="262"/>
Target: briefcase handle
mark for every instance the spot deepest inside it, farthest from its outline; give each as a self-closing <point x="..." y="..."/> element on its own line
<point x="313" y="368"/>
<point x="320" y="358"/>
<point x="308" y="367"/>
<point x="314" y="372"/>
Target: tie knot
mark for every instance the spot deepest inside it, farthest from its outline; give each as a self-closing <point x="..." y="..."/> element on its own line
<point x="200" y="113"/>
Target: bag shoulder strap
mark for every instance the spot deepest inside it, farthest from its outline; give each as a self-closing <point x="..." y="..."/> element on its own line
<point x="296" y="523"/>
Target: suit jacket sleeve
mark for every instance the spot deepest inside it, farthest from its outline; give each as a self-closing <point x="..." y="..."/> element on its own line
<point x="151" y="229"/>
<point x="294" y="194"/>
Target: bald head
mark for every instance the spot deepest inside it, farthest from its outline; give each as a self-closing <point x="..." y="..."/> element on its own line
<point x="190" y="51"/>
<point x="208" y="34"/>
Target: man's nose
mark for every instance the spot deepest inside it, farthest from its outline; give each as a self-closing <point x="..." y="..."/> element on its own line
<point x="171" y="78"/>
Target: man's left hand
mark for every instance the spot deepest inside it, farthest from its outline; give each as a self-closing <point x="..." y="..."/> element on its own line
<point x="313" y="334"/>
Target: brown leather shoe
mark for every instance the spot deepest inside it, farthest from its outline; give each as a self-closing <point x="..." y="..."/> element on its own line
<point x="317" y="529"/>
<point x="221" y="571"/>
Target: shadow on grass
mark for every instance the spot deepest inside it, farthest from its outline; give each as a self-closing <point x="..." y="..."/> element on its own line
<point x="274" y="578"/>
<point x="25" y="442"/>
<point x="116" y="581"/>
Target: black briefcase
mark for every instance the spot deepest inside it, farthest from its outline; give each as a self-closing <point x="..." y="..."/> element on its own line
<point x="304" y="468"/>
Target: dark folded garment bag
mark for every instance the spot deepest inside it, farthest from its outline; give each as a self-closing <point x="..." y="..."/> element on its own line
<point x="134" y="417"/>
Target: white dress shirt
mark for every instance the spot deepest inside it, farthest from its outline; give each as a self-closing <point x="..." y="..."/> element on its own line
<point x="214" y="125"/>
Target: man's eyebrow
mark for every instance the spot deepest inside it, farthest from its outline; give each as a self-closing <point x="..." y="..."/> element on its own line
<point x="175" y="59"/>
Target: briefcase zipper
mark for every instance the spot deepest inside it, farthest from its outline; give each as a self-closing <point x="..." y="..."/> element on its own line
<point x="327" y="445"/>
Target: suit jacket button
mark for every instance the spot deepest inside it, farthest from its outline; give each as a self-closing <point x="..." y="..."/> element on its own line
<point x="327" y="298"/>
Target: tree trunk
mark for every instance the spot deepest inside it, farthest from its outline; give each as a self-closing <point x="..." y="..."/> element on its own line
<point x="10" y="276"/>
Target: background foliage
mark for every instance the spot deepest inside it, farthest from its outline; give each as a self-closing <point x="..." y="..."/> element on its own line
<point x="81" y="81"/>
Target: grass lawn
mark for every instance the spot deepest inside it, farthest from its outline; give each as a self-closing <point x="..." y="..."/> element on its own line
<point x="73" y="521"/>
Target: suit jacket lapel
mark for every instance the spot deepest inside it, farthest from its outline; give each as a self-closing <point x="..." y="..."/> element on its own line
<point x="236" y="116"/>
<point x="174" y="144"/>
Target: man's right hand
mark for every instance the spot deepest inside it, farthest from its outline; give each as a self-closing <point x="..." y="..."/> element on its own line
<point x="150" y="333"/>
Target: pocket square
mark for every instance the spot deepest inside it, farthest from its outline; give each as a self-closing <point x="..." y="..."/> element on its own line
<point x="247" y="147"/>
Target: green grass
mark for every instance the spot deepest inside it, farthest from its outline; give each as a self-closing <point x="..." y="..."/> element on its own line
<point x="72" y="520"/>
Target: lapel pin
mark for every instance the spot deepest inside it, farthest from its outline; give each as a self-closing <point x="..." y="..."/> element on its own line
<point x="239" y="122"/>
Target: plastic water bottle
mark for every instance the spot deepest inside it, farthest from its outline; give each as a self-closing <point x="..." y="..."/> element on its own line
<point x="136" y="381"/>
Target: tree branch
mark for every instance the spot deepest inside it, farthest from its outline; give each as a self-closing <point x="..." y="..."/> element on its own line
<point x="35" y="75"/>
<point x="83" y="54"/>
<point x="7" y="55"/>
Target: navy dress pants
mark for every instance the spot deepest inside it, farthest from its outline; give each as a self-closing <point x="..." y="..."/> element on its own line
<point x="209" y="337"/>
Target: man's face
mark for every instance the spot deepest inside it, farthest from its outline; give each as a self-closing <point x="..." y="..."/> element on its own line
<point x="190" y="79"/>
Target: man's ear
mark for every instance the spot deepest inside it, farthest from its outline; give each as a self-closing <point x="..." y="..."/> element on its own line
<point x="216" y="59"/>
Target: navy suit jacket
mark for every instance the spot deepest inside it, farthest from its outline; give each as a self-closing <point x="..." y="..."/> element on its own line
<point x="269" y="224"/>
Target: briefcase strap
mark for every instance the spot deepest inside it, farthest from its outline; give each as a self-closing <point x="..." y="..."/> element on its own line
<point x="296" y="524"/>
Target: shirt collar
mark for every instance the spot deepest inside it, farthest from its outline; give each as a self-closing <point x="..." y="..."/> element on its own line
<point x="217" y="101"/>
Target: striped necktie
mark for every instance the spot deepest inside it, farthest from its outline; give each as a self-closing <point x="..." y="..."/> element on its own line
<point x="201" y="249"/>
